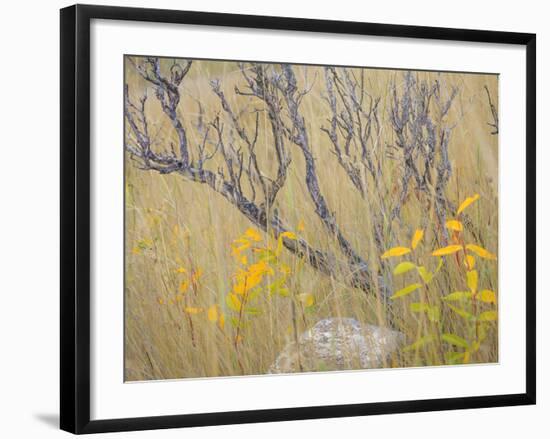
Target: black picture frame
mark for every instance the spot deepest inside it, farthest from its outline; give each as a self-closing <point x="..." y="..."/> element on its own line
<point x="75" y="217"/>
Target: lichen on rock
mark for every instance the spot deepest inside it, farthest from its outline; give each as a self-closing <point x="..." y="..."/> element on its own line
<point x="338" y="344"/>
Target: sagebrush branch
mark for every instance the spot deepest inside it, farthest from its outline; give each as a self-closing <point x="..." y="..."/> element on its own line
<point x="190" y="162"/>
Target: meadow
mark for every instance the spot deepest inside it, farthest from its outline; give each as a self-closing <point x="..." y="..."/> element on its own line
<point x="363" y="193"/>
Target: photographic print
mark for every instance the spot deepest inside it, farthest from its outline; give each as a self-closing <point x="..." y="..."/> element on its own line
<point x="291" y="218"/>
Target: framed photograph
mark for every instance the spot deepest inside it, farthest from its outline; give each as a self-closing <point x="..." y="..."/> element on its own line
<point x="273" y="218"/>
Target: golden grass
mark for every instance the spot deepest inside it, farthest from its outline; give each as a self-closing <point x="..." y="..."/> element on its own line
<point x="175" y="224"/>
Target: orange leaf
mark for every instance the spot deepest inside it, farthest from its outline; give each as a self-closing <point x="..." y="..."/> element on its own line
<point x="470" y="262"/>
<point x="481" y="252"/>
<point x="396" y="251"/>
<point x="467" y="202"/>
<point x="450" y="249"/>
<point x="417" y="237"/>
<point x="213" y="313"/>
<point x="253" y="234"/>
<point x="454" y="225"/>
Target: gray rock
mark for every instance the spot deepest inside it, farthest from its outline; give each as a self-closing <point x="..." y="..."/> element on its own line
<point x="338" y="344"/>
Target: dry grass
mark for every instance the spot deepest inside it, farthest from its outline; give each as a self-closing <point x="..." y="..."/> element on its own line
<point x="174" y="224"/>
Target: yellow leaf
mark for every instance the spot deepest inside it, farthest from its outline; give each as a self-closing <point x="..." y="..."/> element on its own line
<point x="301" y="226"/>
<point x="471" y="279"/>
<point x="488" y="316"/>
<point x="181" y="270"/>
<point x="396" y="251"/>
<point x="307" y="299"/>
<point x="136" y="251"/>
<point x="192" y="310"/>
<point x="253" y="234"/>
<point x="418" y="234"/>
<point x="470" y="262"/>
<point x="161" y="301"/>
<point x="288" y="235"/>
<point x="403" y="267"/>
<point x="466" y="357"/>
<point x="488" y="296"/>
<point x="407" y="290"/>
<point x="213" y="313"/>
<point x="480" y="251"/>
<point x="467" y="202"/>
<point x="221" y="321"/>
<point x="454" y="225"/>
<point x="261" y="267"/>
<point x="184" y="286"/>
<point x="247" y="284"/>
<point x="450" y="249"/>
<point x="233" y="302"/>
<point x="237" y="250"/>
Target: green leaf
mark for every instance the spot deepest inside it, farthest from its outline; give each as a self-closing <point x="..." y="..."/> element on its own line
<point x="425" y="274"/>
<point x="419" y="307"/>
<point x="455" y="340"/>
<point x="439" y="265"/>
<point x="434" y="314"/>
<point x="252" y="311"/>
<point x="422" y="341"/>
<point x="462" y="312"/>
<point x="403" y="267"/>
<point x="233" y="302"/>
<point x="458" y="295"/>
<point x="407" y="290"/>
<point x="277" y="287"/>
<point x="454" y="357"/>
<point x="432" y="311"/>
<point x="254" y="293"/>
<point x="266" y="255"/>
<point x="482" y="332"/>
<point x="283" y="292"/>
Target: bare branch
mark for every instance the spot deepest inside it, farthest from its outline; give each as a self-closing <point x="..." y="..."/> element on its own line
<point x="266" y="88"/>
<point x="168" y="95"/>
<point x="494" y="113"/>
<point x="288" y="86"/>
